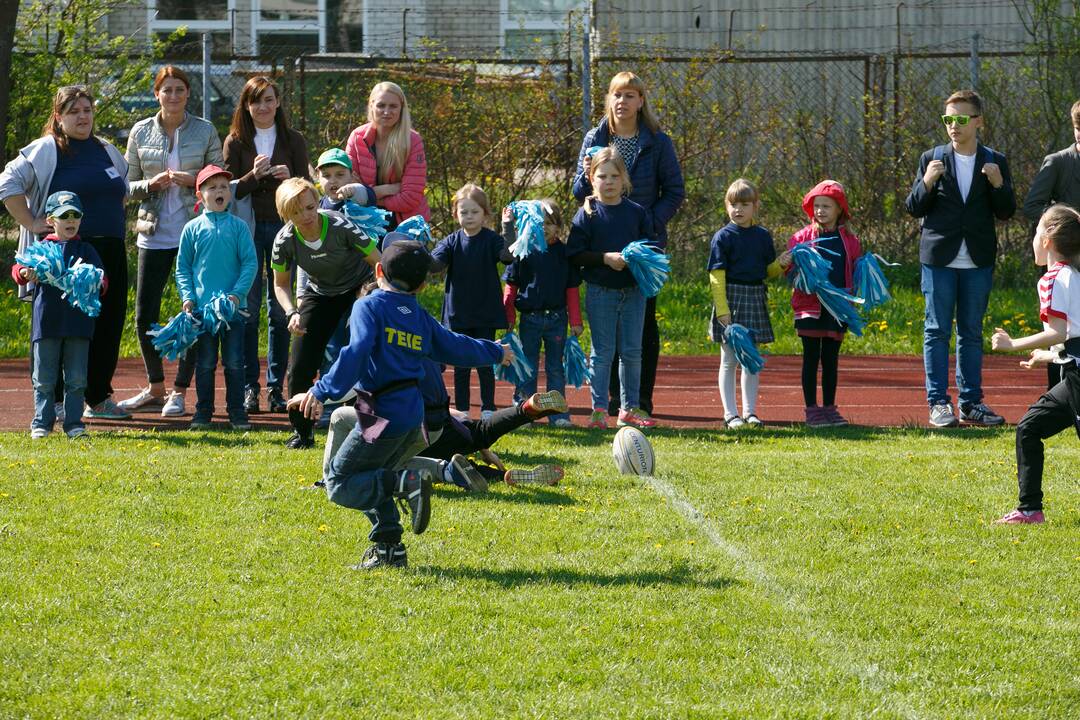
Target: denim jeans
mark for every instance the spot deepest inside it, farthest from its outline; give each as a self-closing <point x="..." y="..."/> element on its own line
<point x="616" y="318"/>
<point x="50" y="354"/>
<point x="232" y="360"/>
<point x="550" y="328"/>
<point x="356" y="478"/>
<point x="965" y="293"/>
<point x="277" y="355"/>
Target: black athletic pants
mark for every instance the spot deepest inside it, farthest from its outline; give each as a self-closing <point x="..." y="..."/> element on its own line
<point x="1055" y="411"/>
<point x="109" y="328"/>
<point x="319" y="316"/>
<point x="482" y="433"/>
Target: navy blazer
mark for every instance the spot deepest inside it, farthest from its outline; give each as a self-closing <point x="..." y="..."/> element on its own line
<point x="655" y="175"/>
<point x="947" y="220"/>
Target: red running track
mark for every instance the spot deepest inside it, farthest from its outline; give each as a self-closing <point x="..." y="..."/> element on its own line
<point x="874" y="390"/>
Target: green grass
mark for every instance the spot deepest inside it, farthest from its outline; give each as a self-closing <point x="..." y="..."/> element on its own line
<point x="852" y="573"/>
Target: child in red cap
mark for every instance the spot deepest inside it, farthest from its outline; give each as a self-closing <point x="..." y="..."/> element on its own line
<point x="827" y="207"/>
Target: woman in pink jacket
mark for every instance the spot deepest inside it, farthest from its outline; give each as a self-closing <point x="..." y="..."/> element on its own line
<point x="388" y="155"/>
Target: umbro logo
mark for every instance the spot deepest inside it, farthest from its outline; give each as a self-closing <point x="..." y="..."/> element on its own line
<point x="404" y="310"/>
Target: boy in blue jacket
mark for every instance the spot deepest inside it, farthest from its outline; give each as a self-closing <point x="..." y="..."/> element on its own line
<point x="217" y="255"/>
<point x="390" y="335"/>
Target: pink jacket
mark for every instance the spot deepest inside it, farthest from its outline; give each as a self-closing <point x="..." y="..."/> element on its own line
<point x="410" y="201"/>
<point x="806" y="305"/>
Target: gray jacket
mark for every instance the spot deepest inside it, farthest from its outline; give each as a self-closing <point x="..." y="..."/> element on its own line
<point x="1058" y="180"/>
<point x="30" y="173"/>
<point x="147" y="152"/>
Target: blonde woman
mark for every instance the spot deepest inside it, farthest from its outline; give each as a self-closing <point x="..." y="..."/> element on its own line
<point x="388" y="155"/>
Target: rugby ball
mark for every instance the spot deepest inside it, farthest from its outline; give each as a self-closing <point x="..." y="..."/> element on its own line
<point x="632" y="452"/>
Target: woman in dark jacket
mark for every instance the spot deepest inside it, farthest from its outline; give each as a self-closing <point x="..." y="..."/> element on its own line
<point x="261" y="151"/>
<point x="631" y="127"/>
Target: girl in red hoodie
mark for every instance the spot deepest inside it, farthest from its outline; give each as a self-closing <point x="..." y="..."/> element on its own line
<point x="821" y="333"/>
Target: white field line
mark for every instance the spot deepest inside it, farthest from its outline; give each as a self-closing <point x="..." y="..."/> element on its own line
<point x="843" y="650"/>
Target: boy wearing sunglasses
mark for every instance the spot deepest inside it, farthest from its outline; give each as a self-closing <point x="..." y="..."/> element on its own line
<point x="960" y="190"/>
<point x="60" y="333"/>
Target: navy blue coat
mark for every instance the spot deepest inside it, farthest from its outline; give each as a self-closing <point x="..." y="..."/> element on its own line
<point x="655" y="175"/>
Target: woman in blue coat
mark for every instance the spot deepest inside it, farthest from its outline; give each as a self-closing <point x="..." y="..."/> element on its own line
<point x="630" y="126"/>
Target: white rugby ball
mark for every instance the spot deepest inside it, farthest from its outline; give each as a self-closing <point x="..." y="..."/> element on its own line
<point x="632" y="452"/>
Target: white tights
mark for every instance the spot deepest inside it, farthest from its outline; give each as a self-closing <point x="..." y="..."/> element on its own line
<point x="750" y="383"/>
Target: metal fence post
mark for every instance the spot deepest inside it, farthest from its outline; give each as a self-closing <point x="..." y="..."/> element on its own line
<point x="586" y="71"/>
<point x="975" y="61"/>
<point x="206" y="48"/>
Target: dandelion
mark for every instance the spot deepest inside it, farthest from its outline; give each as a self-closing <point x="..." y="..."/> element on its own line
<point x="972" y="562"/>
<point x="324" y="528"/>
<point x="155" y="544"/>
<point x="658" y="545"/>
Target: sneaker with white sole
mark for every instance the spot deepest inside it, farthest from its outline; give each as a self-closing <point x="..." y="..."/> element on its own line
<point x="733" y="422"/>
<point x="39" y="433"/>
<point x="941" y="415"/>
<point x="635" y="417"/>
<point x="106" y="410"/>
<point x="540" y="405"/>
<point x="77" y="432"/>
<point x="539" y="475"/>
<point x="1022" y="517"/>
<point x="382" y="555"/>
<point x="174" y="405"/>
<point x="144" y="400"/>
<point x="979" y="414"/>
<point x="465" y="475"/>
<point x="412" y="489"/>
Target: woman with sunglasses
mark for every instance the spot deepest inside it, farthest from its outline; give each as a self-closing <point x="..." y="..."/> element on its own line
<point x="960" y="190"/>
<point x="68" y="156"/>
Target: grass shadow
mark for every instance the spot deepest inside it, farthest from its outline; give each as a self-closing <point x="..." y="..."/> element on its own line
<point x="680" y="575"/>
<point x="189" y="438"/>
<point x="518" y="496"/>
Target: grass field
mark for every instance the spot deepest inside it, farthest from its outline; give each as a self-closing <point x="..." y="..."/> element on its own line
<point x="851" y="573"/>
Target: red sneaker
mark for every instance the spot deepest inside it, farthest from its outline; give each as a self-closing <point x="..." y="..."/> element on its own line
<point x="598" y="420"/>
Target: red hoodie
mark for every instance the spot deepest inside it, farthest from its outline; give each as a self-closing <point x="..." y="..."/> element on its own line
<point x="804" y="304"/>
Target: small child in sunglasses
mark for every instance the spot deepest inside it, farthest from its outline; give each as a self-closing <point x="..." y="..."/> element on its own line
<point x="60" y="333"/>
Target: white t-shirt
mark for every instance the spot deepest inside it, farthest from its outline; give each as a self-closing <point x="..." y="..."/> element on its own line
<point x="265" y="139"/>
<point x="172" y="215"/>
<point x="965" y="173"/>
<point x="1064" y="301"/>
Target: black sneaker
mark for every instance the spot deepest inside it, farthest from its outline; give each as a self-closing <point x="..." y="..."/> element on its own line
<point x="300" y="442"/>
<point x="465" y="475"/>
<point x="383" y="555"/>
<point x="412" y="488"/>
<point x="275" y="400"/>
<point x="979" y="414"/>
<point x="251" y="400"/>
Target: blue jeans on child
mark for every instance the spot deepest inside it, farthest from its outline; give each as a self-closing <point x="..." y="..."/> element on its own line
<point x="277" y="352"/>
<point x="616" y="318"/>
<point x="548" y="326"/>
<point x="231" y="340"/>
<point x="355" y="478"/>
<point x="51" y="354"/>
<point x="965" y="293"/>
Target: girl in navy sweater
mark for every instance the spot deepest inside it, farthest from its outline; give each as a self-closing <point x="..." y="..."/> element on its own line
<point x="472" y="303"/>
<point x="607" y="223"/>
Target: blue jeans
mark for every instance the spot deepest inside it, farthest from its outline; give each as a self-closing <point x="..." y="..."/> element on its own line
<point x="232" y="360"/>
<point x="50" y="354"/>
<point x="356" y="479"/>
<point x="548" y="327"/>
<point x="616" y="318"/>
<point x="965" y="293"/>
<point x="277" y="356"/>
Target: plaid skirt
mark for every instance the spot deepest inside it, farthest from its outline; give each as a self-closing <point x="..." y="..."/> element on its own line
<point x="749" y="307"/>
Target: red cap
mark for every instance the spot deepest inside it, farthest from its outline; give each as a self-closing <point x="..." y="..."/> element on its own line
<point x="830" y="189"/>
<point x="208" y="172"/>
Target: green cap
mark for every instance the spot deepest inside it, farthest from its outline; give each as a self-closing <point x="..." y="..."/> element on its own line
<point x="335" y="156"/>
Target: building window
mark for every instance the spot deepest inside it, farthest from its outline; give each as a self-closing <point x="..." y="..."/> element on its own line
<point x="536" y="27"/>
<point x="288" y="27"/>
<point x="195" y="15"/>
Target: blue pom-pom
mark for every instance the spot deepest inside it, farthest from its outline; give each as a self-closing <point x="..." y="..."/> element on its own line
<point x="590" y="152"/>
<point x="519" y="370"/>
<point x="176" y="337"/>
<point x="371" y="221"/>
<point x="649" y="267"/>
<point x="870" y="282"/>
<point x="529" y="223"/>
<point x="841" y="305"/>
<point x="217" y="313"/>
<point x="576" y="363"/>
<point x="82" y="287"/>
<point x="741" y="342"/>
<point x="811" y="268"/>
<point x="46" y="259"/>
<point x="417" y="228"/>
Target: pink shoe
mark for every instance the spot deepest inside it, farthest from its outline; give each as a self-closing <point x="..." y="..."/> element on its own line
<point x="635" y="417"/>
<point x="816" y="418"/>
<point x="1017" y="517"/>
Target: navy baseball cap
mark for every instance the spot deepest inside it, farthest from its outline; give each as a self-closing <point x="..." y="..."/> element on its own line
<point x="61" y="202"/>
<point x="406" y="264"/>
<point x="393" y="237"/>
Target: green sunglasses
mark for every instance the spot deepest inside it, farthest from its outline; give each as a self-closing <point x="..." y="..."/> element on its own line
<point x="958" y="119"/>
<point x="70" y="215"/>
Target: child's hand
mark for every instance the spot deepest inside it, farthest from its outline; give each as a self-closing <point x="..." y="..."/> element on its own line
<point x="507" y="214"/>
<point x="310" y="406"/>
<point x="235" y="301"/>
<point x="586" y="163"/>
<point x="492" y="458"/>
<point x="346" y="192"/>
<point x="934" y="170"/>
<point x="1038" y="356"/>
<point x="576" y="330"/>
<point x="784" y="261"/>
<point x="293" y="403"/>
<point x="508" y="355"/>
<point x="614" y="260"/>
<point x="189" y="306"/>
<point x="993" y="174"/>
<point x="1001" y="340"/>
<point x="28" y="275"/>
<point x="295" y="328"/>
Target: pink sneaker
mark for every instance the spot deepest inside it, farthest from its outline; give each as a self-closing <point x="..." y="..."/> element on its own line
<point x="598" y="420"/>
<point x="1017" y="517"/>
<point x="635" y="417"/>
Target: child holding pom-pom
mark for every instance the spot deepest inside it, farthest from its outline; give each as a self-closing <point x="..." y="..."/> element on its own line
<point x="543" y="287"/>
<point x="60" y="332"/>
<point x="472" y="303"/>
<point x="741" y="258"/>
<point x="608" y="222"/>
<point x="827" y="207"/>
<point x="217" y="256"/>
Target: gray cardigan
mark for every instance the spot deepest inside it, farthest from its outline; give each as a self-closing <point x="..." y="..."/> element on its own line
<point x="1058" y="180"/>
<point x="147" y="151"/>
<point x="30" y="173"/>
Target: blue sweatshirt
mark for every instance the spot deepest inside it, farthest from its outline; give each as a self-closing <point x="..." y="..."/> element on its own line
<point x="744" y="254"/>
<point x="541" y="279"/>
<point x="54" y="316"/>
<point x="609" y="228"/>
<point x="390" y="335"/>
<point x="473" y="296"/>
<point x="216" y="254"/>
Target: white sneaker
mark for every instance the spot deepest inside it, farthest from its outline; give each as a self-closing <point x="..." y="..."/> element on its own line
<point x="941" y="415"/>
<point x="143" y="399"/>
<point x="174" y="405"/>
<point x="39" y="433"/>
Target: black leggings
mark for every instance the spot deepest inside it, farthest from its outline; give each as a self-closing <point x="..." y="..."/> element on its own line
<point x="155" y="269"/>
<point x="486" y="373"/>
<point x="319" y="316"/>
<point x="482" y="434"/>
<point x="826" y="352"/>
